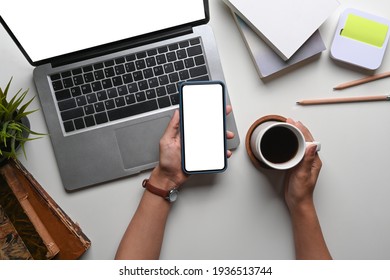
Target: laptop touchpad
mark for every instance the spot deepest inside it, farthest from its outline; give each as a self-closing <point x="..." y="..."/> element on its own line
<point x="139" y="143"/>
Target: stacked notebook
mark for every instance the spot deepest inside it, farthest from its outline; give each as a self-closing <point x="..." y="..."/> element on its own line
<point x="281" y="34"/>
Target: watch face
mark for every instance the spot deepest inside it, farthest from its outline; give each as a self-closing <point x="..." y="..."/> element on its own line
<point x="172" y="195"/>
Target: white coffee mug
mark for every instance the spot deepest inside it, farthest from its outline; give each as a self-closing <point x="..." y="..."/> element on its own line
<point x="279" y="145"/>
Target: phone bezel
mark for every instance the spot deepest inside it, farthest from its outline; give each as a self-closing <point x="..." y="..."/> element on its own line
<point x="182" y="125"/>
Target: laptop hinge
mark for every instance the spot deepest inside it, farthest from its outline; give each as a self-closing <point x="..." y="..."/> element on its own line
<point x="121" y="45"/>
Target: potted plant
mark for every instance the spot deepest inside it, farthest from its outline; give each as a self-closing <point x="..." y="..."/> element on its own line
<point x="14" y="124"/>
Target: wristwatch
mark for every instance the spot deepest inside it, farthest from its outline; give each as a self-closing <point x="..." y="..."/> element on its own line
<point x="169" y="195"/>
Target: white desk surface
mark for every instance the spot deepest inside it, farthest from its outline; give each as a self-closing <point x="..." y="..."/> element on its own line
<point x="240" y="214"/>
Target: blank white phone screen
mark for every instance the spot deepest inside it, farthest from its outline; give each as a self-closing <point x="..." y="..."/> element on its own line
<point x="203" y="117"/>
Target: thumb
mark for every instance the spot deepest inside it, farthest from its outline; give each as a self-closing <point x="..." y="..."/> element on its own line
<point x="313" y="161"/>
<point x="309" y="158"/>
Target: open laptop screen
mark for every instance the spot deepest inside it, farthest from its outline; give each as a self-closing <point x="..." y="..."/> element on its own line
<point x="46" y="28"/>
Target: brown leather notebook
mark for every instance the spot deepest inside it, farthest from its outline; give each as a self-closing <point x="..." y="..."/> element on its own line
<point x="63" y="238"/>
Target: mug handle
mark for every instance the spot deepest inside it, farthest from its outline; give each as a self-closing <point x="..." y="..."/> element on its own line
<point x="318" y="144"/>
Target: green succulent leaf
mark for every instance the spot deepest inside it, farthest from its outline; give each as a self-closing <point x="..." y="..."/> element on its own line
<point x="12" y="131"/>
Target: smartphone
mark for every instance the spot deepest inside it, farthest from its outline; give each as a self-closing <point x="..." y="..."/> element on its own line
<point x="203" y="127"/>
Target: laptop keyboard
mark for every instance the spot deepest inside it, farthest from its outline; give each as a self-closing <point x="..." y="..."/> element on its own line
<point x="128" y="85"/>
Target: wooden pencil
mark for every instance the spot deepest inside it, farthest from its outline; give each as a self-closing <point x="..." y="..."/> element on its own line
<point x="362" y="81"/>
<point x="344" y="100"/>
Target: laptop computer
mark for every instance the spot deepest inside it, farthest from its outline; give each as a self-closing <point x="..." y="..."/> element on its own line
<point x="107" y="76"/>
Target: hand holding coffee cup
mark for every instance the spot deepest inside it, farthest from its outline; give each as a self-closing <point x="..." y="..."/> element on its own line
<point x="279" y="145"/>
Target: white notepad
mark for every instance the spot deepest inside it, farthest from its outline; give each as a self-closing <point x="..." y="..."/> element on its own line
<point x="267" y="62"/>
<point x="284" y="25"/>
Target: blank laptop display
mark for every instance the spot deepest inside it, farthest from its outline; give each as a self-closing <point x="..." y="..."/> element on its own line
<point x="107" y="75"/>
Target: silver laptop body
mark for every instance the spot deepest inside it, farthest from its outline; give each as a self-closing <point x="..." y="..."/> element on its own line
<point x="125" y="146"/>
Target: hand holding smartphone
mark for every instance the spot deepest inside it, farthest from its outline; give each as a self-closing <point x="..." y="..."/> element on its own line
<point x="203" y="127"/>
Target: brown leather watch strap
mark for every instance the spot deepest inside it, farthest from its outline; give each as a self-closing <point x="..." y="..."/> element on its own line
<point x="155" y="190"/>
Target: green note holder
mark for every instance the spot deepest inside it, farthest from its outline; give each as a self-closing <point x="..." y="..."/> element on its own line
<point x="361" y="39"/>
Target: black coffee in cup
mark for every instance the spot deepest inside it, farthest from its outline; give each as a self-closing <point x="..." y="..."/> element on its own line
<point x="279" y="144"/>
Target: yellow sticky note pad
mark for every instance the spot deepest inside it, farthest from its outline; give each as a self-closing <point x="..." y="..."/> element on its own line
<point x="365" y="30"/>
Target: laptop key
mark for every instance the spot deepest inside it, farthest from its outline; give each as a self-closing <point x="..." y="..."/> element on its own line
<point x="130" y="99"/>
<point x="72" y="114"/>
<point x="184" y="44"/>
<point x="171" y="88"/>
<point x="173" y="47"/>
<point x="55" y="77"/>
<point x="140" y="64"/>
<point x="78" y="80"/>
<point x="171" y="56"/>
<point x="120" y="60"/>
<point x="88" y="77"/>
<point x="89" y="121"/>
<point x="163" y="49"/>
<point x="120" y="101"/>
<point x="168" y="68"/>
<point x="110" y="104"/>
<point x="98" y="74"/>
<point x="164" y="102"/>
<point x="57" y="85"/>
<point x="110" y="72"/>
<point x="101" y="95"/>
<point x="158" y="70"/>
<point x="150" y="94"/>
<point x="195" y="41"/>
<point x="127" y="78"/>
<point x="140" y="96"/>
<point x="161" y="91"/>
<point x="138" y="76"/>
<point x="67" y="104"/>
<point x="66" y="74"/>
<point x="96" y="86"/>
<point x="68" y="82"/>
<point x="130" y="67"/>
<point x="181" y="54"/>
<point x="109" y="63"/>
<point x="133" y="87"/>
<point x="195" y="50"/>
<point x="132" y="110"/>
<point x="89" y="109"/>
<point x="68" y="126"/>
<point x="79" y="123"/>
<point x="198" y="71"/>
<point x="101" y="118"/>
<point x="91" y="98"/>
<point x="99" y="107"/>
<point x="76" y="91"/>
<point x="161" y="59"/>
<point x="175" y="99"/>
<point x="86" y="88"/>
<point x="173" y="77"/>
<point x="199" y="60"/>
<point x="117" y="81"/>
<point x="81" y="101"/>
<point x="63" y="94"/>
<point x="112" y="93"/>
<point x="120" y="69"/>
<point x="184" y="75"/>
<point x="98" y="66"/>
<point x="122" y="90"/>
<point x="150" y="62"/>
<point x="107" y="83"/>
<point x="88" y="68"/>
